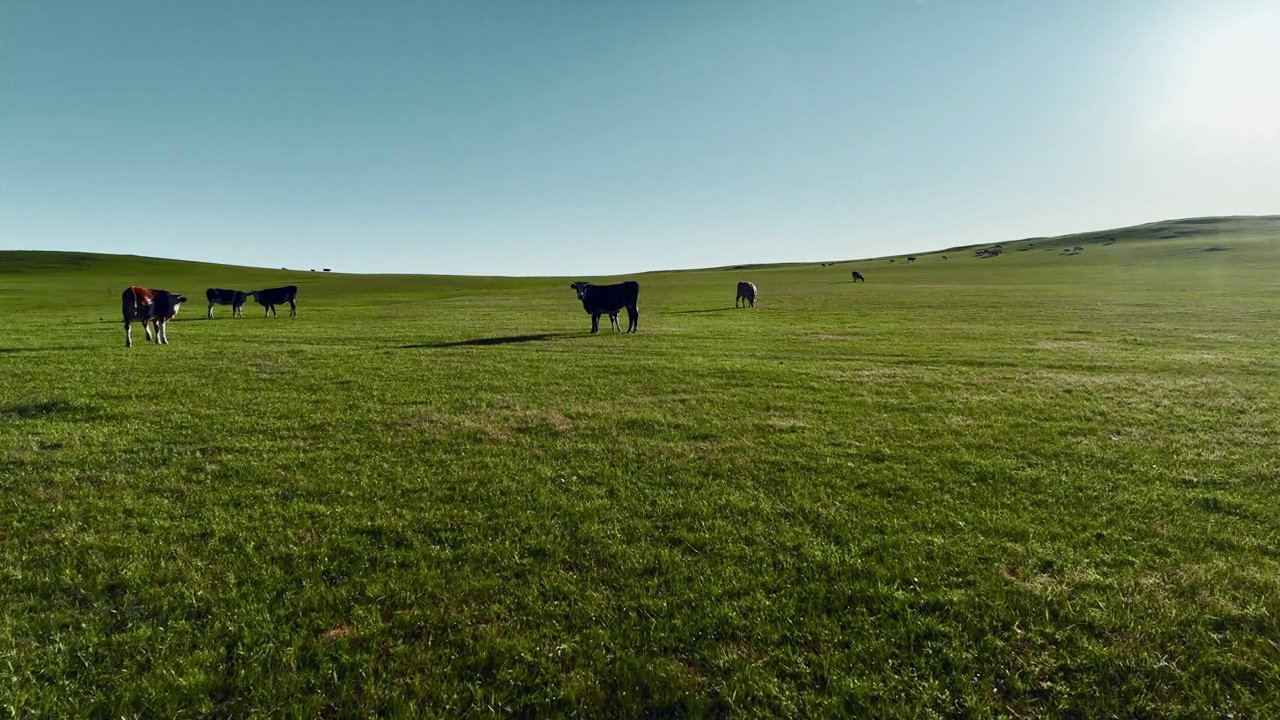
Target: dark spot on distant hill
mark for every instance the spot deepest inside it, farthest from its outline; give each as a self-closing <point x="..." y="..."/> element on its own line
<point x="1216" y="248"/>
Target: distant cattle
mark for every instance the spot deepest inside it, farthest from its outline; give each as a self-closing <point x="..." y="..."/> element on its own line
<point x="152" y="307"/>
<point x="328" y="270"/>
<point x="1077" y="249"/>
<point x="272" y="297"/>
<point x="235" y="298"/>
<point x="857" y="277"/>
<point x="944" y="257"/>
<point x="610" y="299"/>
<point x="893" y="260"/>
<point x="746" y="294"/>
<point x="911" y="259"/>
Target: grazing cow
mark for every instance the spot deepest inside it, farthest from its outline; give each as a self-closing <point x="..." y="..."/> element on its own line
<point x="944" y="257"/>
<point x="892" y="260"/>
<point x="911" y="259"/>
<point x="610" y="299"/>
<point x="235" y="298"/>
<point x="857" y="277"/>
<point x="746" y="294"/>
<point x="272" y="297"/>
<point x="151" y="307"/>
<point x="328" y="269"/>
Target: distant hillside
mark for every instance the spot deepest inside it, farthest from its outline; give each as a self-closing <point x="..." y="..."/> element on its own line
<point x="1243" y="226"/>
<point x="24" y="261"/>
<point x="1238" y="225"/>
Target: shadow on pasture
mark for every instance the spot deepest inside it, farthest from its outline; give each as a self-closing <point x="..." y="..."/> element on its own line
<point x="482" y="342"/>
<point x="712" y="310"/>
<point x="58" y="348"/>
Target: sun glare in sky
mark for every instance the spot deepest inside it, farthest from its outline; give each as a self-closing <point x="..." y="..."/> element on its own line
<point x="1224" y="93"/>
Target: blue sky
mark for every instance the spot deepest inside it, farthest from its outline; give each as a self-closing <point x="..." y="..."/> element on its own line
<point x="588" y="138"/>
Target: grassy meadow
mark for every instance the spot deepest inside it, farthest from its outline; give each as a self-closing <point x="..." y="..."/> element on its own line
<point x="1033" y="485"/>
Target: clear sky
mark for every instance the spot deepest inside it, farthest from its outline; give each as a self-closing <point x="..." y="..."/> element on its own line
<point x="537" y="137"/>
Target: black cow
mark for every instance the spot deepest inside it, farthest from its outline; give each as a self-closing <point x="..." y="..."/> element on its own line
<point x="857" y="277"/>
<point x="911" y="259"/>
<point x="235" y="298"/>
<point x="272" y="297"/>
<point x="610" y="299"/>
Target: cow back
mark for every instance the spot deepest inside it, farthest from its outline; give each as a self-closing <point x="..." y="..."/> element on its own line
<point x="611" y="298"/>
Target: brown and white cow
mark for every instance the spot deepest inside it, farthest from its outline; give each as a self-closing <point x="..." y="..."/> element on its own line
<point x="746" y="294"/>
<point x="149" y="306"/>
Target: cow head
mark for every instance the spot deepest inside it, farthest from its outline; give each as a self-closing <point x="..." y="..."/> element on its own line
<point x="581" y="288"/>
<point x="176" y="300"/>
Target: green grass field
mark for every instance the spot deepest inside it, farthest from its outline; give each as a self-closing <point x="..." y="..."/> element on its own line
<point x="1023" y="486"/>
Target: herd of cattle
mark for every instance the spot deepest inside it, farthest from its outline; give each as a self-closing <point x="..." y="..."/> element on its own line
<point x="155" y="308"/>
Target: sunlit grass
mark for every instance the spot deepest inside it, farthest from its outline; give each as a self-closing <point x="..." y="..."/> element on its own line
<point x="1029" y="485"/>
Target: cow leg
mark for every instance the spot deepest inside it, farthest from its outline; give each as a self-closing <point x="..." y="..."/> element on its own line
<point x="293" y="309"/>
<point x="595" y="323"/>
<point x="633" y="319"/>
<point x="146" y="328"/>
<point x="210" y="313"/>
<point x="128" y="335"/>
<point x="160" y="332"/>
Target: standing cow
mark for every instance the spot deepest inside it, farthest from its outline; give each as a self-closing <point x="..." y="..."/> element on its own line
<point x="151" y="307"/>
<point x="610" y="299"/>
<point x="235" y="298"/>
<point x="272" y="297"/>
<point x="746" y="294"/>
<point x="857" y="277"/>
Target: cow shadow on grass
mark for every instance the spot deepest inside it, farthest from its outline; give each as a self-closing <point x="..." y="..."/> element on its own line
<point x="485" y="342"/>
<point x="59" y="348"/>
